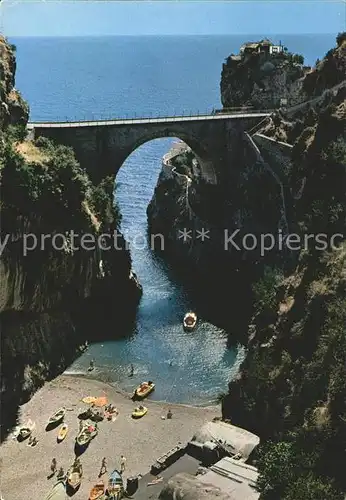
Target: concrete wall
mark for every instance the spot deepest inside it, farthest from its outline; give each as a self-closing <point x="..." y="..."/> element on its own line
<point x="277" y="154"/>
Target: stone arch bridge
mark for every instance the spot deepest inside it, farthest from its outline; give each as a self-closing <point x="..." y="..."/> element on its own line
<point x="101" y="147"/>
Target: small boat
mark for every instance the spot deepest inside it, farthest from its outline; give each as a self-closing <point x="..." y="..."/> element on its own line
<point x="139" y="412"/>
<point x="57" y="416"/>
<point x="97" y="491"/>
<point x="58" y="492"/>
<point x="144" y="390"/>
<point x="189" y="321"/>
<point x="95" y="415"/>
<point x="88" y="432"/>
<point x="74" y="475"/>
<point x="26" y="430"/>
<point x="115" y="486"/>
<point x="62" y="433"/>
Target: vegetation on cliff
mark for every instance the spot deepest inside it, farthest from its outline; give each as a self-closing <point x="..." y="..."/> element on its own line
<point x="328" y="72"/>
<point x="52" y="297"/>
<point x="292" y="388"/>
<point x="261" y="77"/>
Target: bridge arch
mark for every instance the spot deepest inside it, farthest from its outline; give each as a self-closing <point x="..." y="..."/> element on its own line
<point x="102" y="147"/>
<point x="204" y="158"/>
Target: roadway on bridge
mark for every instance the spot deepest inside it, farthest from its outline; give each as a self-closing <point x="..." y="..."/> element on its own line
<point x="154" y="120"/>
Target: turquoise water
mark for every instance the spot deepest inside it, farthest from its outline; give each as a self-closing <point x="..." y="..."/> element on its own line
<point x="79" y="78"/>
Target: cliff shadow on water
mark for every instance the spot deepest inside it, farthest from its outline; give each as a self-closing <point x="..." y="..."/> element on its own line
<point x="219" y="276"/>
<point x="221" y="294"/>
<point x="53" y="297"/>
<point x="52" y="304"/>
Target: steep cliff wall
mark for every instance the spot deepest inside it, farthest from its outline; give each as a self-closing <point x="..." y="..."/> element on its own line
<point x="54" y="293"/>
<point x="291" y="390"/>
<point x="261" y="79"/>
<point x="182" y="201"/>
<point x="13" y="109"/>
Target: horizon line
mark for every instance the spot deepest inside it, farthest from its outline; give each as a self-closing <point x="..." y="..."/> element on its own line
<point x="95" y="35"/>
<point x="175" y="1"/>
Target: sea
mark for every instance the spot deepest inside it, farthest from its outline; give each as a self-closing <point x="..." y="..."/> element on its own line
<point x="79" y="78"/>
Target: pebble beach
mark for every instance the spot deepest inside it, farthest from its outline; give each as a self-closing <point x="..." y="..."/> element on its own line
<point x="24" y="469"/>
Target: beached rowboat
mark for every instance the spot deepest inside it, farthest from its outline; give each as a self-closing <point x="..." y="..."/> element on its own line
<point x="97" y="491"/>
<point x="139" y="412"/>
<point x="62" y="433"/>
<point x="88" y="432"/>
<point x="57" y="416"/>
<point x="74" y="475"/>
<point x="26" y="430"/>
<point x="115" y="486"/>
<point x="144" y="390"/>
<point x="58" y="492"/>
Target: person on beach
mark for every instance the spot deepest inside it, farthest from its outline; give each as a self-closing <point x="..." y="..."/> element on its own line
<point x="122" y="464"/>
<point x="103" y="468"/>
<point x="169" y="414"/>
<point x="53" y="466"/>
<point x="132" y="370"/>
<point x="61" y="473"/>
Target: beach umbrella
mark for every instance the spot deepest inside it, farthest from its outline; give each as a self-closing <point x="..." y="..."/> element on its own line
<point x="101" y="401"/>
<point x="89" y="400"/>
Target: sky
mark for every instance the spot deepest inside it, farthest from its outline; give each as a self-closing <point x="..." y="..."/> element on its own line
<point x="179" y="17"/>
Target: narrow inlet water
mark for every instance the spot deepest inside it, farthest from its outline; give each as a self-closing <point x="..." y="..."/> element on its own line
<point x="190" y="368"/>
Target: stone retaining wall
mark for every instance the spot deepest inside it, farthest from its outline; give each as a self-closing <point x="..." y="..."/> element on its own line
<point x="277" y="154"/>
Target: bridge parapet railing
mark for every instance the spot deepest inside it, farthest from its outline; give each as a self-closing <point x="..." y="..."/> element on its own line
<point x="149" y="119"/>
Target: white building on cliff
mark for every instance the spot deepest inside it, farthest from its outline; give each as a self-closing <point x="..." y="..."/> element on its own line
<point x="262" y="46"/>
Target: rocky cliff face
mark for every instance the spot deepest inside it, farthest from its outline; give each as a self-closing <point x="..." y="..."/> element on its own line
<point x="291" y="390"/>
<point x="13" y="109"/>
<point x="53" y="296"/>
<point x="292" y="385"/>
<point x="328" y="72"/>
<point x="183" y="201"/>
<point x="260" y="79"/>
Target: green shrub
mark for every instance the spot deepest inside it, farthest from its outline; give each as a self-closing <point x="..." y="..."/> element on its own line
<point x="44" y="143"/>
<point x="341" y="38"/>
<point x="16" y="133"/>
<point x="311" y="487"/>
<point x="54" y="191"/>
<point x="102" y="201"/>
<point x="265" y="289"/>
<point x="298" y="58"/>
